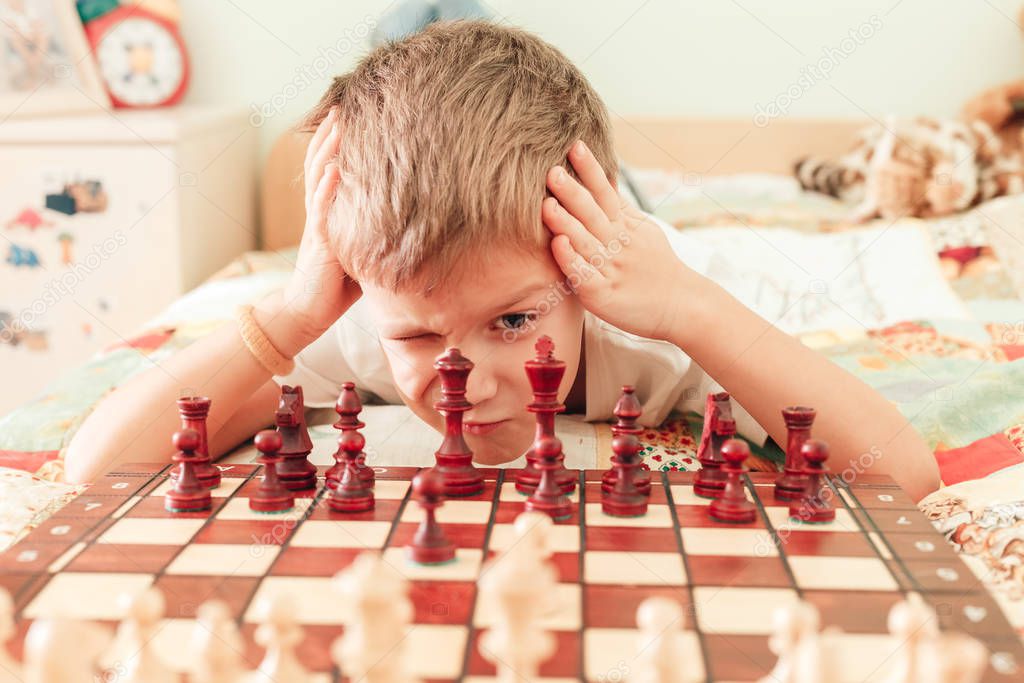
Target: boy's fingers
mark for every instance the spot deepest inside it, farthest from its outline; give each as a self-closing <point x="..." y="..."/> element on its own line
<point x="575" y="267"/>
<point x="561" y="222"/>
<point x="578" y="201"/>
<point x="594" y="179"/>
<point x="323" y="156"/>
<point x="325" y="189"/>
<point x="321" y="132"/>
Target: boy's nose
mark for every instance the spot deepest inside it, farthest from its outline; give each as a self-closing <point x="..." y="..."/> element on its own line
<point x="481" y="386"/>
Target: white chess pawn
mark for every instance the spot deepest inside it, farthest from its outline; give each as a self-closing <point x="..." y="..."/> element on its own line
<point x="661" y="656"/>
<point x="372" y="648"/>
<point x="61" y="651"/>
<point x="143" y="614"/>
<point x="915" y="627"/>
<point x="279" y="635"/>
<point x="517" y="643"/>
<point x="533" y="533"/>
<point x="10" y="671"/>
<point x="217" y="645"/>
<point x="791" y="624"/>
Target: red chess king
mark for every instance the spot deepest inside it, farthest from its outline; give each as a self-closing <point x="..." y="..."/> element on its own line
<point x="187" y="494"/>
<point x="194" y="411"/>
<point x="454" y="459"/>
<point x="545" y="373"/>
<point x="792" y="482"/>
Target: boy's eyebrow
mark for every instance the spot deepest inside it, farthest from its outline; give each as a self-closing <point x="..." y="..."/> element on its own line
<point x="516" y="297"/>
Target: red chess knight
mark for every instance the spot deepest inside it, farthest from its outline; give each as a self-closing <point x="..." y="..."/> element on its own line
<point x="545" y="373"/>
<point x="193" y="411"/>
<point x="719" y="427"/>
<point x="348" y="408"/>
<point x="295" y="470"/>
<point x="454" y="459"/>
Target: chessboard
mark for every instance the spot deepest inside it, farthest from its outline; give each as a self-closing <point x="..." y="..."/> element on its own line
<point x="728" y="579"/>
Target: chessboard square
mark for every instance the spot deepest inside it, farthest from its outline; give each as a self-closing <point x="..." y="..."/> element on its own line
<point x="870" y="615"/>
<point x="682" y="494"/>
<point x="724" y="570"/>
<point x="696" y="516"/>
<point x="842" y="573"/>
<point x="867" y="657"/>
<point x="610" y="654"/>
<point x="657" y="516"/>
<point x="315" y="533"/>
<point x="315" y="599"/>
<point x="563" y="666"/>
<point x="632" y="539"/>
<point x="436" y="649"/>
<point x="509" y="494"/>
<point x="442" y="602"/>
<point x="114" y="558"/>
<point x="453" y="512"/>
<point x="239" y="532"/>
<point x="313" y="652"/>
<point x="155" y="507"/>
<point x="465" y="566"/>
<point x="93" y="596"/>
<point x="730" y="542"/>
<point x="224" y="560"/>
<point x="563" y="615"/>
<point x="226" y="488"/>
<point x="238" y="508"/>
<point x="184" y="594"/>
<point x="779" y="517"/>
<point x="460" y="535"/>
<point x="739" y="658"/>
<point x="561" y="538"/>
<point x="295" y="561"/>
<point x="146" y="531"/>
<point x="390" y="489"/>
<point x="826" y="544"/>
<point x="739" y="610"/>
<point x="616" y="606"/>
<point x="633" y="569"/>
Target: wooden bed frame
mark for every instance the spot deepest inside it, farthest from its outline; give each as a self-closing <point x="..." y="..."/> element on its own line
<point x="704" y="146"/>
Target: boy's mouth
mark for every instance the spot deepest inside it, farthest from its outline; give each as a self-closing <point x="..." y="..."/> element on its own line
<point x="482" y="428"/>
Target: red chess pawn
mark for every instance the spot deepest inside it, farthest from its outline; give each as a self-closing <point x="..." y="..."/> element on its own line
<point x="625" y="498"/>
<point x="187" y="494"/>
<point x="719" y="427"/>
<point x="545" y="374"/>
<point x="627" y="411"/>
<point x="194" y="411"/>
<point x="549" y="497"/>
<point x="429" y="545"/>
<point x="348" y="408"/>
<point x="293" y="468"/>
<point x="733" y="505"/>
<point x="270" y="495"/>
<point x="351" y="494"/>
<point x="815" y="507"/>
<point x="792" y="483"/>
<point x="454" y="459"/>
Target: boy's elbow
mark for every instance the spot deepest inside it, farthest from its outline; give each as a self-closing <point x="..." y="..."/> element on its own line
<point x="81" y="464"/>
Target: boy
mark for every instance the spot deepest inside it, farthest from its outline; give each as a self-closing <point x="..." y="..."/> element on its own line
<point x="458" y="193"/>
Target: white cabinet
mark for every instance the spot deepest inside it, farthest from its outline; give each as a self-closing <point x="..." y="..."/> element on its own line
<point x="104" y="220"/>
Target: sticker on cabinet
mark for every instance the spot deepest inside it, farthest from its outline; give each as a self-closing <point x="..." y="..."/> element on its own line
<point x="29" y="218"/>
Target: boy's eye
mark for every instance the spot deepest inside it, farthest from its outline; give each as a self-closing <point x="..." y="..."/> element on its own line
<point x="516" y="321"/>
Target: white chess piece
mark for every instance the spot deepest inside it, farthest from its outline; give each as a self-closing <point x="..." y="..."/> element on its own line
<point x="217" y="645"/>
<point x="661" y="656"/>
<point x="953" y="658"/>
<point x="533" y="534"/>
<point x="61" y="651"/>
<point x="10" y="670"/>
<point x="915" y="627"/>
<point x="791" y="625"/>
<point x="517" y="643"/>
<point x="143" y="614"/>
<point x="372" y="647"/>
<point x="280" y="635"/>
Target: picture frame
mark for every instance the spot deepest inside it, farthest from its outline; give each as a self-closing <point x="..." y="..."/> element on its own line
<point x="46" y="64"/>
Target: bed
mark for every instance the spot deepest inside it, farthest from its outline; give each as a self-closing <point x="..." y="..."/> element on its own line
<point x="930" y="315"/>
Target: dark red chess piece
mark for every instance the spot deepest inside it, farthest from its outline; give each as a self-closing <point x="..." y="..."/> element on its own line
<point x="352" y="494"/>
<point x="187" y="494"/>
<point x="792" y="483"/>
<point x="545" y="373"/>
<point x="194" y="411"/>
<point x="294" y="469"/>
<point x="719" y="427"/>
<point x="733" y="505"/>
<point x="348" y="408"/>
<point x="429" y="545"/>
<point x="627" y="411"/>
<point x="816" y="504"/>
<point x="454" y="459"/>
<point x="625" y="499"/>
<point x="549" y="497"/>
<point x="271" y="495"/>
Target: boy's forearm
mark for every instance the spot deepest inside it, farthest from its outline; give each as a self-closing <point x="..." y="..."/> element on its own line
<point x="765" y="370"/>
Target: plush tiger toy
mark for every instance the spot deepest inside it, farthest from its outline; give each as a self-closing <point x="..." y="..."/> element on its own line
<point x="917" y="167"/>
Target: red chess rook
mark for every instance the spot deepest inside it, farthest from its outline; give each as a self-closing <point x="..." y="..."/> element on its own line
<point x="193" y="411"/>
<point x="792" y="483"/>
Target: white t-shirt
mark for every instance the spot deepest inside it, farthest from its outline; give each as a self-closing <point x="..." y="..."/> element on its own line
<point x="665" y="378"/>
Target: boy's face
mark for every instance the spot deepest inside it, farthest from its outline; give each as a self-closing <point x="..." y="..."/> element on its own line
<point x="494" y="320"/>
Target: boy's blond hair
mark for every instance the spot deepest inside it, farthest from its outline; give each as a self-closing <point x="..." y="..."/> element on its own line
<point x="446" y="140"/>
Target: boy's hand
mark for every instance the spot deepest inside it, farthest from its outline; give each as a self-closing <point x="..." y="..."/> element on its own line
<point x="319" y="291"/>
<point x="617" y="260"/>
